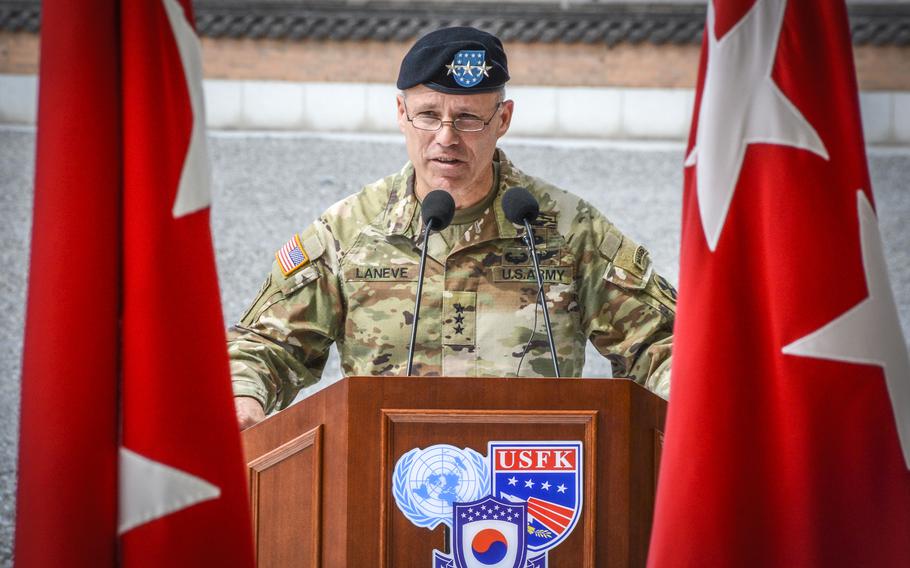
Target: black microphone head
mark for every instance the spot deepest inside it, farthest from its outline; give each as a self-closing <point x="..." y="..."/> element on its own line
<point x="438" y="207"/>
<point x="519" y="205"/>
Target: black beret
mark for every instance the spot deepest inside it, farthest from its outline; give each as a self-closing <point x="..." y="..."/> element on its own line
<point x="458" y="60"/>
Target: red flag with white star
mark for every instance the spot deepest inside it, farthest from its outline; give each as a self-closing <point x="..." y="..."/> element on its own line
<point x="129" y="448"/>
<point x="788" y="434"/>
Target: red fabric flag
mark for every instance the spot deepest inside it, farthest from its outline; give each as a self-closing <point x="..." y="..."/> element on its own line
<point x="789" y="423"/>
<point x="124" y="306"/>
<point x="67" y="500"/>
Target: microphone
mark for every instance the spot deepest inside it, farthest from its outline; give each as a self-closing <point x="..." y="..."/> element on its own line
<point x="521" y="208"/>
<point x="437" y="211"/>
<point x="438" y="208"/>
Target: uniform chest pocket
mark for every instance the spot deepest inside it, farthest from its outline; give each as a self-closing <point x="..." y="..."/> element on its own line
<point x="380" y="293"/>
<point x="509" y="318"/>
<point x="511" y="301"/>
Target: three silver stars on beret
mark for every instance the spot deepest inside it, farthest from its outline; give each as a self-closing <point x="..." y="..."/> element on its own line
<point x="469" y="69"/>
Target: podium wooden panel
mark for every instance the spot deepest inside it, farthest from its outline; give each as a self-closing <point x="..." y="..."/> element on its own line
<point x="320" y="472"/>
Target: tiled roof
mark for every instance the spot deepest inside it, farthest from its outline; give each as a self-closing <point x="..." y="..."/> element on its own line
<point x="548" y="22"/>
<point x="523" y="22"/>
<point x="20" y="16"/>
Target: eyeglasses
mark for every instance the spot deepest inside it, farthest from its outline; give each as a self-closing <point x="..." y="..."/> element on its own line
<point x="461" y="124"/>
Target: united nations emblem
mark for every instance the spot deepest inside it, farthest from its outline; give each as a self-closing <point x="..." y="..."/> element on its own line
<point x="427" y="483"/>
<point x="469" y="67"/>
<point x="533" y="504"/>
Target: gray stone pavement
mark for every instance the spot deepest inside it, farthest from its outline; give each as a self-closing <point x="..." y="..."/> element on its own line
<point x="269" y="186"/>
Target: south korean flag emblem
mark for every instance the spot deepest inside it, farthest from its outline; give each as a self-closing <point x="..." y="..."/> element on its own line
<point x="489" y="533"/>
<point x="469" y="67"/>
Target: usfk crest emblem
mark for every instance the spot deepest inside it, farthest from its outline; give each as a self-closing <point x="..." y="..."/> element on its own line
<point x="504" y="510"/>
<point x="548" y="478"/>
<point x="469" y="67"/>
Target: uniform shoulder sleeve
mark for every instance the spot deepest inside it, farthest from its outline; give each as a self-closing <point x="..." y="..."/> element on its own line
<point x="296" y="264"/>
<point x="628" y="309"/>
<point x="281" y="343"/>
<point x="341" y="225"/>
<point x="629" y="267"/>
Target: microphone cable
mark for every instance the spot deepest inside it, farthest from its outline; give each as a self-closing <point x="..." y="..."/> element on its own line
<point x="533" y="332"/>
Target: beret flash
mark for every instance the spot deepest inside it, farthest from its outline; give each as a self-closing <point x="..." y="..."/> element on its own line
<point x="459" y="60"/>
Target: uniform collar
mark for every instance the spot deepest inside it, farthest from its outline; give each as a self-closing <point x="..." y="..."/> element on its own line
<point x="509" y="177"/>
<point x="402" y="204"/>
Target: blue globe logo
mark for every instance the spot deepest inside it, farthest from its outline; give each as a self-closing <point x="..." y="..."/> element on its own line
<point x="442" y="486"/>
<point x="428" y="482"/>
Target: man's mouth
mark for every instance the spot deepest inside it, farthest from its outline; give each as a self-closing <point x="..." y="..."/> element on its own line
<point x="446" y="161"/>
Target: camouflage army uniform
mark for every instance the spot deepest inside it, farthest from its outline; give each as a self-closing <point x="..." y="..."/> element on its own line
<point x="357" y="288"/>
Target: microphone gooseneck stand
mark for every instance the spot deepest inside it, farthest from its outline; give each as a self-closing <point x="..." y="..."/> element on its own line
<point x="437" y="211"/>
<point x="541" y="297"/>
<point x="521" y="207"/>
<point x="423" y="260"/>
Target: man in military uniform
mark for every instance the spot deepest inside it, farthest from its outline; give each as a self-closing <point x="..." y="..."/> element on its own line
<point x="351" y="277"/>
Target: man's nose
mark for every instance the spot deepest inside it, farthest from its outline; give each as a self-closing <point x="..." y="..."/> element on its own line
<point x="447" y="135"/>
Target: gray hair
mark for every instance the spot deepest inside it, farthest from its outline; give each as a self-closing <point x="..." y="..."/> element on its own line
<point x="501" y="90"/>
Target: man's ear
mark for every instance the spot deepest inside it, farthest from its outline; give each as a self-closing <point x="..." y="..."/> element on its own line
<point x="505" y="117"/>
<point x="402" y="113"/>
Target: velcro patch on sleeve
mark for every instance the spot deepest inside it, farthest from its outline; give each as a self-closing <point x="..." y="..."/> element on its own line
<point x="631" y="267"/>
<point x="611" y="243"/>
<point x="312" y="246"/>
<point x="291" y="256"/>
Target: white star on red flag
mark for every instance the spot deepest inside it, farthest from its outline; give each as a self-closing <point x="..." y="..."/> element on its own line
<point x="195" y="189"/>
<point x="150" y="490"/>
<point x="870" y="332"/>
<point x="741" y="105"/>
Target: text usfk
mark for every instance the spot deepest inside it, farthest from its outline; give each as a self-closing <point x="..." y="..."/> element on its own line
<point x="536" y="458"/>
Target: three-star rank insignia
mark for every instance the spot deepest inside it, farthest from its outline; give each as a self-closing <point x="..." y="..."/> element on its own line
<point x="459" y="317"/>
<point x="469" y="67"/>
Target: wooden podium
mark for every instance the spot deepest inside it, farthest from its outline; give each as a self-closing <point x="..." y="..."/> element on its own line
<point x="320" y="472"/>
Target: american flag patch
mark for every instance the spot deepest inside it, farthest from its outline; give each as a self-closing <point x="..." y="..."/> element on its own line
<point x="291" y="256"/>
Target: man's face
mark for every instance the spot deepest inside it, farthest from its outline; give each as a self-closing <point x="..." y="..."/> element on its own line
<point x="459" y="162"/>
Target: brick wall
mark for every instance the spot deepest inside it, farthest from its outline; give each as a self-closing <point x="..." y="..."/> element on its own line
<point x="18" y="53"/>
<point x="644" y="65"/>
